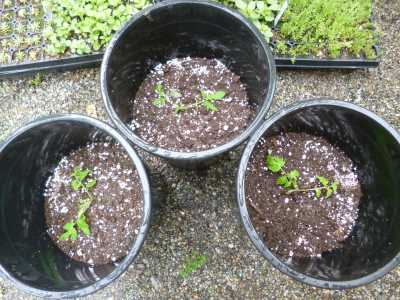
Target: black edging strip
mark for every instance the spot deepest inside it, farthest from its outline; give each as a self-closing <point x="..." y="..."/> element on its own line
<point x="56" y="65"/>
<point x="313" y="63"/>
<point x="94" y="60"/>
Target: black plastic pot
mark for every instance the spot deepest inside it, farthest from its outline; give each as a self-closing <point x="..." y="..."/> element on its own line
<point x="178" y="29"/>
<point x="373" y="248"/>
<point x="28" y="257"/>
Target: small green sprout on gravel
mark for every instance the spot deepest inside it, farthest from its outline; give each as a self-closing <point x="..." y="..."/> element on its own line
<point x="80" y="182"/>
<point x="192" y="264"/>
<point x="289" y="180"/>
<point x="37" y="80"/>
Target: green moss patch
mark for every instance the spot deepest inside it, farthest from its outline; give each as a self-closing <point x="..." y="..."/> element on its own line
<point x="324" y="28"/>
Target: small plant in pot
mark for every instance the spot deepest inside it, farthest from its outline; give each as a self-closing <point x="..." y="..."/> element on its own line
<point x="317" y="192"/>
<point x="93" y="204"/>
<point x="190" y="104"/>
<point x="188" y="90"/>
<point x="80" y="207"/>
<point x="313" y="194"/>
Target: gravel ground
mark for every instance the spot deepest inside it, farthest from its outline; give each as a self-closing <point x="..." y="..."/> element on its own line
<point x="200" y="212"/>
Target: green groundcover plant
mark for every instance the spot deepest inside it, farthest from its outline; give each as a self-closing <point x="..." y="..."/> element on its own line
<point x="261" y="13"/>
<point x="86" y="26"/>
<point x="327" y="28"/>
<point x="319" y="27"/>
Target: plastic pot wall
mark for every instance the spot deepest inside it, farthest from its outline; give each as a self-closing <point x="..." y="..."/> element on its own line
<point x="184" y="28"/>
<point x="28" y="257"/>
<point x="373" y="248"/>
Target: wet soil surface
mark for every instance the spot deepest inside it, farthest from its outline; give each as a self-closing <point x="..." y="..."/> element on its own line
<point x="193" y="128"/>
<point x="115" y="214"/>
<point x="301" y="224"/>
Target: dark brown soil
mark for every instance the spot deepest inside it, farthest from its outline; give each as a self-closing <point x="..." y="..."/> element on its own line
<point x="300" y="224"/>
<point x="194" y="129"/>
<point x="114" y="216"/>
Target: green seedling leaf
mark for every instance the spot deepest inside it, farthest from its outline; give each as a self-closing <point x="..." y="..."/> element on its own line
<point x="65" y="236"/>
<point x="159" y="102"/>
<point x="318" y="192"/>
<point x="209" y="106"/>
<point x="329" y="192"/>
<point x="289" y="180"/>
<point x="70" y="232"/>
<point x="83" y="174"/>
<point x="74" y="235"/>
<point x="209" y="98"/>
<point x="334" y="186"/>
<point x="76" y="185"/>
<point x="283" y="181"/>
<point x="83" y="225"/>
<point x="275" y="163"/>
<point x="179" y="108"/>
<point x="293" y="177"/>
<point x="160" y="89"/>
<point x="294" y="174"/>
<point x="323" y="181"/>
<point x="91" y="183"/>
<point x="219" y="95"/>
<point x="80" y="174"/>
<point x="162" y="98"/>
<point x="69" y="226"/>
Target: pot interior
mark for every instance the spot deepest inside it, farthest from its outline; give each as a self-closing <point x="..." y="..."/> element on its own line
<point x="375" y="239"/>
<point x="26" y="251"/>
<point x="179" y="30"/>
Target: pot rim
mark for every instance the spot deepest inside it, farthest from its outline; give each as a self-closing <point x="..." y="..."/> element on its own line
<point x="145" y="223"/>
<point x="246" y="220"/>
<point x="197" y="155"/>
